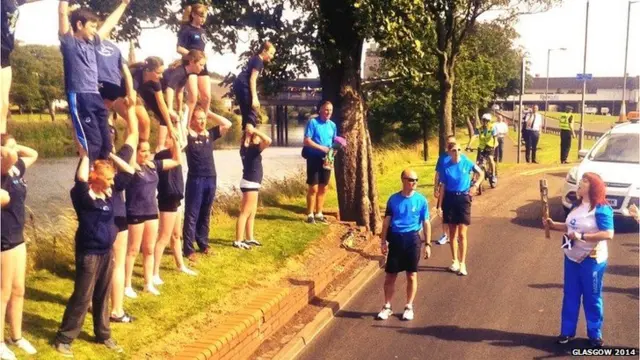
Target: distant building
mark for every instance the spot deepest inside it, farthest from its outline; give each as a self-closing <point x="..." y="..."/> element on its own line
<point x="603" y="95"/>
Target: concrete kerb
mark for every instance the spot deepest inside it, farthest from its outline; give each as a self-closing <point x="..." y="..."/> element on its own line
<point x="224" y="338"/>
<point x="324" y="317"/>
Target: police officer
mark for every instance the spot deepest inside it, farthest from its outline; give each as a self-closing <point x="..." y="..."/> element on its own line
<point x="566" y="134"/>
<point x="487" y="143"/>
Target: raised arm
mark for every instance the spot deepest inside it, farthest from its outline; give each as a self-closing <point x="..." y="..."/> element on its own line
<point x="168" y="164"/>
<point x="128" y="83"/>
<point x="223" y="122"/>
<point x="63" y="18"/>
<point x="113" y="19"/>
<point x="266" y="140"/>
<point x="9" y="158"/>
<point x="82" y="174"/>
<point x="121" y="164"/>
<point x="27" y="154"/>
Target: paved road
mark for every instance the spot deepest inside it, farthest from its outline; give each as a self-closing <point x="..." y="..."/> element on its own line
<point x="509" y="305"/>
<point x="50" y="180"/>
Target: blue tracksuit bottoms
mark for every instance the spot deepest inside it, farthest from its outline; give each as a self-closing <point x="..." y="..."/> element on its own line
<point x="583" y="280"/>
<point x="200" y="191"/>
<point x="90" y="120"/>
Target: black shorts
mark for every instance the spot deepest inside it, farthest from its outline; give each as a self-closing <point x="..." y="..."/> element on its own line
<point x="4" y="246"/>
<point x="456" y="209"/>
<point x="110" y="91"/>
<point x="404" y="252"/>
<point x="154" y="108"/>
<point x="204" y="72"/>
<point x="169" y="204"/>
<point x="6" y="62"/>
<point x="488" y="151"/>
<point x="139" y="219"/>
<point x="121" y="223"/>
<point x="316" y="173"/>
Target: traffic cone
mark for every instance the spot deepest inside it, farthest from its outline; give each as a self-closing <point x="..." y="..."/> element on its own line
<point x="623" y="113"/>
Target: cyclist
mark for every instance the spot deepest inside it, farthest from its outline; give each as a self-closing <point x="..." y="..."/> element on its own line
<point x="487" y="144"/>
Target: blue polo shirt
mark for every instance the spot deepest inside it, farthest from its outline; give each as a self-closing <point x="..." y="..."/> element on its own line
<point x="109" y="63"/>
<point x="457" y="177"/>
<point x="191" y="37"/>
<point x="322" y="132"/>
<point x="407" y="213"/>
<point x="255" y="63"/>
<point x="80" y="63"/>
<point x="444" y="161"/>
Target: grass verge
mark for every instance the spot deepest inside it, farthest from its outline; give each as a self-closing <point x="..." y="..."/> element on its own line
<point x="588" y="118"/>
<point x="224" y="281"/>
<point x="549" y="148"/>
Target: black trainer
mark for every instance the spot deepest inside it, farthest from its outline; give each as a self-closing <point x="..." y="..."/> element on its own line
<point x="596" y="343"/>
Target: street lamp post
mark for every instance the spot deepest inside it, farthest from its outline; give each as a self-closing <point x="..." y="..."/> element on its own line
<point x="623" y="107"/>
<point x="584" y="80"/>
<point x="546" y="92"/>
<point x="519" y="120"/>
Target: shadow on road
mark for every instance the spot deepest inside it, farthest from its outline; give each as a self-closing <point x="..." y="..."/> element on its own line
<point x="498" y="338"/>
<point x="632" y="292"/>
<point x="530" y="215"/>
<point x="623" y="270"/>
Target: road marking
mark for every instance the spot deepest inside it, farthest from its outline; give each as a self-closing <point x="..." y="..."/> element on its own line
<point x="538" y="171"/>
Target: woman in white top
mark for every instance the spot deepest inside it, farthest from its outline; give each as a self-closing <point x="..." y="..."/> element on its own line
<point x="588" y="227"/>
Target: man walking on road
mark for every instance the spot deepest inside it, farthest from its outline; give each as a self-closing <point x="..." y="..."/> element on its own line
<point x="533" y="122"/>
<point x="406" y="216"/>
<point x="566" y="134"/>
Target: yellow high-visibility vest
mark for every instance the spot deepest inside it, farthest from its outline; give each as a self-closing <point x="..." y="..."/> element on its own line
<point x="485" y="137"/>
<point x="565" y="120"/>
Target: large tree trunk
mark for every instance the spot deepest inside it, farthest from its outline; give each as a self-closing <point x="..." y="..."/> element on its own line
<point x="341" y="84"/>
<point x="445" y="110"/>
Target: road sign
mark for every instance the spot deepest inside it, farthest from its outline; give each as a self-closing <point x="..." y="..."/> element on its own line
<point x="583" y="77"/>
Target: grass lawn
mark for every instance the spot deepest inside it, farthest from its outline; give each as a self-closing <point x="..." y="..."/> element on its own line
<point x="549" y="148"/>
<point x="224" y="283"/>
<point x="37" y="117"/>
<point x="587" y="118"/>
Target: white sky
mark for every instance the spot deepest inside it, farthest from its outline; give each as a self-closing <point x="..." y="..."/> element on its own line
<point x="560" y="27"/>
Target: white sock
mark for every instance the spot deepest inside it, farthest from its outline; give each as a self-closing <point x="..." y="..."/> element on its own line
<point x="409" y="306"/>
<point x="319" y="214"/>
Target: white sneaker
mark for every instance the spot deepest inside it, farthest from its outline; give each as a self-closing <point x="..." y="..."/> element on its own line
<point x="25" y="345"/>
<point x="152" y="290"/>
<point x="408" y="313"/>
<point x="455" y="267"/>
<point x="443" y="239"/>
<point x="385" y="313"/>
<point x="128" y="292"/>
<point x="463" y="270"/>
<point x="157" y="281"/>
<point x="188" y="271"/>
<point x="241" y="245"/>
<point x="6" y="353"/>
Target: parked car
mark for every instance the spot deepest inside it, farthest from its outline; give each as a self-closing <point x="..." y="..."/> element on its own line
<point x="616" y="158"/>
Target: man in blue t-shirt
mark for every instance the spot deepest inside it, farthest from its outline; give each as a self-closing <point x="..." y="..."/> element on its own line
<point x="318" y="139"/>
<point x="79" y="38"/>
<point x="443" y="160"/>
<point x="406" y="224"/>
<point x="245" y="85"/>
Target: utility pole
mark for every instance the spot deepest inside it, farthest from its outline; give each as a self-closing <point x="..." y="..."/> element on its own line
<point x="519" y="120"/>
<point x="623" y="107"/>
<point x="584" y="80"/>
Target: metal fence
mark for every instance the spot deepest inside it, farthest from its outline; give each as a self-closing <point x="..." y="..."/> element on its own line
<point x="550" y="129"/>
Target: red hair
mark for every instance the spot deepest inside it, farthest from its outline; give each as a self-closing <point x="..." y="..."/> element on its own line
<point x="597" y="189"/>
<point x="102" y="169"/>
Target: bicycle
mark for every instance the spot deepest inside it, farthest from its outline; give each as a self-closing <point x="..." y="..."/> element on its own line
<point x="488" y="175"/>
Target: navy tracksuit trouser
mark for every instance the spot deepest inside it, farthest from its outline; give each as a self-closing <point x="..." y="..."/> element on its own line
<point x="199" y="195"/>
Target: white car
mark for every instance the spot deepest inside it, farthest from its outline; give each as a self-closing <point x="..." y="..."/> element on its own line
<point x="616" y="158"/>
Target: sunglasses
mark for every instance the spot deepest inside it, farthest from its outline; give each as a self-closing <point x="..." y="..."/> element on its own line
<point x="411" y="180"/>
<point x="455" y="150"/>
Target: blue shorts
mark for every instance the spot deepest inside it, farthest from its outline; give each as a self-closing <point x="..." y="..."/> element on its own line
<point x="90" y="120"/>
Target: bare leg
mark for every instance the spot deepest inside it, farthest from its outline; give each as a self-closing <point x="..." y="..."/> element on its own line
<point x="245" y="212"/>
<point x="117" y="282"/>
<point x="176" y="244"/>
<point x="135" y="240"/>
<point x="412" y="287"/>
<point x="192" y="94"/>
<point x="16" y="303"/>
<point x="322" y="191"/>
<point x="204" y="90"/>
<point x="144" y="123"/>
<point x="167" y="225"/>
<point x="5" y="86"/>
<point x="453" y="241"/>
<point x="163" y="131"/>
<point x="8" y="274"/>
<point x="149" y="238"/>
<point x="128" y="113"/>
<point x="253" y="206"/>
<point x="463" y="243"/>
<point x="389" y="287"/>
<point x="311" y="198"/>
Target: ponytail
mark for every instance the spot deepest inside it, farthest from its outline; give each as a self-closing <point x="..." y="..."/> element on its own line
<point x="149" y="64"/>
<point x="187" y="15"/>
<point x="192" y="57"/>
